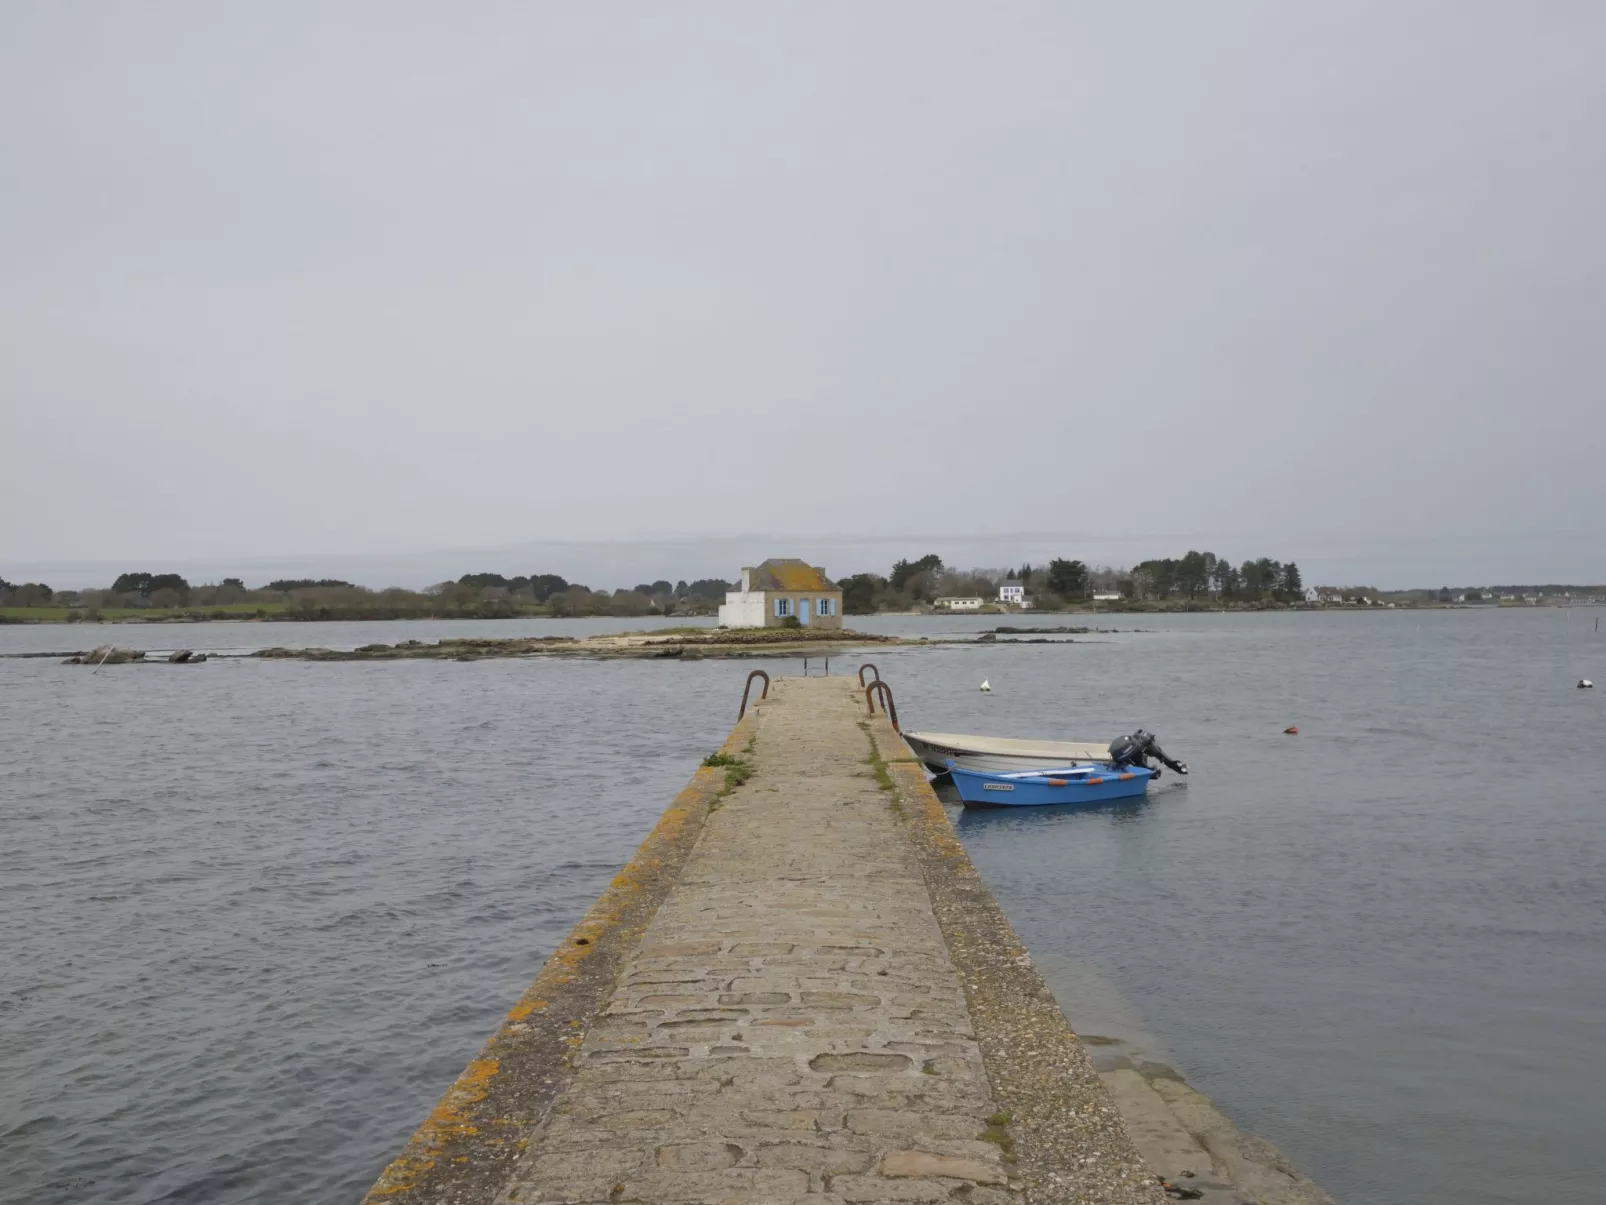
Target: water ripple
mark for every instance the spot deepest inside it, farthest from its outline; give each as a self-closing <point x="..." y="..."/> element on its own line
<point x="256" y="916"/>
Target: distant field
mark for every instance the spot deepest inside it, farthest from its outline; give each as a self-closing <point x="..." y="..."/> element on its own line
<point x="59" y="614"/>
<point x="41" y="614"/>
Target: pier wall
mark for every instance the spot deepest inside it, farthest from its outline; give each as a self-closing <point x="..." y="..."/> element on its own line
<point x="464" y="1150"/>
<point x="799" y="989"/>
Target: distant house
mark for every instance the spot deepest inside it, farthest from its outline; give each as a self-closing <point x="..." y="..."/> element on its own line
<point x="1107" y="596"/>
<point x="958" y="604"/>
<point x="1013" y="592"/>
<point x="779" y="590"/>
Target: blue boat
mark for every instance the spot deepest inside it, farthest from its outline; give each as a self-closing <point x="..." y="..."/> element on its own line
<point x="1092" y="782"/>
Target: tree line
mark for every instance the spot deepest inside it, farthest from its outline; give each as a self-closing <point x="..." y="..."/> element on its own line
<point x="1064" y="582"/>
<point x="1203" y="574"/>
<point x="909" y="584"/>
<point x="473" y="595"/>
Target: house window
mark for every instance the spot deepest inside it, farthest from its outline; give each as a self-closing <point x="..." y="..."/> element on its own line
<point x="823" y="607"/>
<point x="783" y="607"/>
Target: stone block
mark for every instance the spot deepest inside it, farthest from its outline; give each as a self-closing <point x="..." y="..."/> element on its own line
<point x="782" y="1119"/>
<point x="761" y="949"/>
<point x="861" y="1061"/>
<point x="679" y="949"/>
<point x="839" y="1000"/>
<point x="899" y="1123"/>
<point x="580" y="1166"/>
<point x="813" y="1157"/>
<point x="874" y="1188"/>
<point x="638" y="1053"/>
<point x="637" y="1119"/>
<point x="924" y="1164"/>
<point x="698" y="1156"/>
<point x="731" y="1186"/>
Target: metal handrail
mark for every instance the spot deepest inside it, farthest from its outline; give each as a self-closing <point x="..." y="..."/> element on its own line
<point x="868" y="665"/>
<point x="887" y="703"/>
<point x="757" y="673"/>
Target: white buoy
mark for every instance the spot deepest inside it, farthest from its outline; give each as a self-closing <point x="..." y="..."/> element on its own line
<point x="1583" y="684"/>
<point x="985" y="685"/>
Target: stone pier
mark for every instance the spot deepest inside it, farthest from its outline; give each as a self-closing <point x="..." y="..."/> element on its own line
<point x="798" y="991"/>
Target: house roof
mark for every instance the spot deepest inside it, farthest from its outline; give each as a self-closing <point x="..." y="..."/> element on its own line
<point x="789" y="573"/>
<point x="1013" y="581"/>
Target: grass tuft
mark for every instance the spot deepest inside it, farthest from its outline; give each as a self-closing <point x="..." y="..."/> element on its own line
<point x="996" y="1134"/>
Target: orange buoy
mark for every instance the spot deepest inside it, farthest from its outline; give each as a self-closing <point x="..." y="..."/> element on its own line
<point x="1291" y="730"/>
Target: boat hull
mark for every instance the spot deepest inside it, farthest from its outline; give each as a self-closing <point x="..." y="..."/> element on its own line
<point x="1081" y="784"/>
<point x="991" y="753"/>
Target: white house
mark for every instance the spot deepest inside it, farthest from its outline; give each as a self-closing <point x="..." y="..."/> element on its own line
<point x="957" y="604"/>
<point x="1013" y="592"/>
<point x="779" y="590"/>
<point x="1107" y="596"/>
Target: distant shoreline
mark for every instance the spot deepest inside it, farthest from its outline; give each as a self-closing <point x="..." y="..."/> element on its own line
<point x="8" y="615"/>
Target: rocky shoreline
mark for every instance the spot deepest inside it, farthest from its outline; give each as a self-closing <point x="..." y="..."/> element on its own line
<point x="106" y="655"/>
<point x="684" y="645"/>
<point x="681" y="644"/>
<point x="642" y="646"/>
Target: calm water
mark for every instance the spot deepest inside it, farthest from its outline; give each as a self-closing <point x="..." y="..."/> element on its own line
<point x="255" y="916"/>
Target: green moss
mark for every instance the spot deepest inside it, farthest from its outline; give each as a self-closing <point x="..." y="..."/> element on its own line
<point x="998" y="1135"/>
<point x="1000" y="1138"/>
<point x="878" y="768"/>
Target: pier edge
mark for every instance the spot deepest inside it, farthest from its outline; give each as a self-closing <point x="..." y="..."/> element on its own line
<point x="465" y="1148"/>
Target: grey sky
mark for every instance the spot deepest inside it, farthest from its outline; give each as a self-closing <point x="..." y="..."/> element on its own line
<point x="1321" y="281"/>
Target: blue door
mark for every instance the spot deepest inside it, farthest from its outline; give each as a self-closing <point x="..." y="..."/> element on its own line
<point x="803" y="611"/>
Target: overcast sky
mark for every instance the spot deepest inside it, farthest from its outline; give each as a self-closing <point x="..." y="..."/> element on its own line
<point x="375" y="282"/>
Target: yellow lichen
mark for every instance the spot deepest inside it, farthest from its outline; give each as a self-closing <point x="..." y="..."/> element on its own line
<point x="448" y="1119"/>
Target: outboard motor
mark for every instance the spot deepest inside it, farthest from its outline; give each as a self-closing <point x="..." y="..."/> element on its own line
<point x="1137" y="749"/>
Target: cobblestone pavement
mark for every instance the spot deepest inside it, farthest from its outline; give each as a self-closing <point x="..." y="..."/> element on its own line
<point x="792" y="1026"/>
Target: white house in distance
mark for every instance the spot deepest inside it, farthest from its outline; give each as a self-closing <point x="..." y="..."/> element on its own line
<point x="1013" y="592"/>
<point x="781" y="589"/>
<point x="958" y="604"/>
<point x="1107" y="596"/>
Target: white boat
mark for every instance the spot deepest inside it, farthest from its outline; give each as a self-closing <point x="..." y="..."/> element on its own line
<point x="1000" y="753"/>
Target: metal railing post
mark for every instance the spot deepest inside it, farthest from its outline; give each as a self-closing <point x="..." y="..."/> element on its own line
<point x="757" y="673"/>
